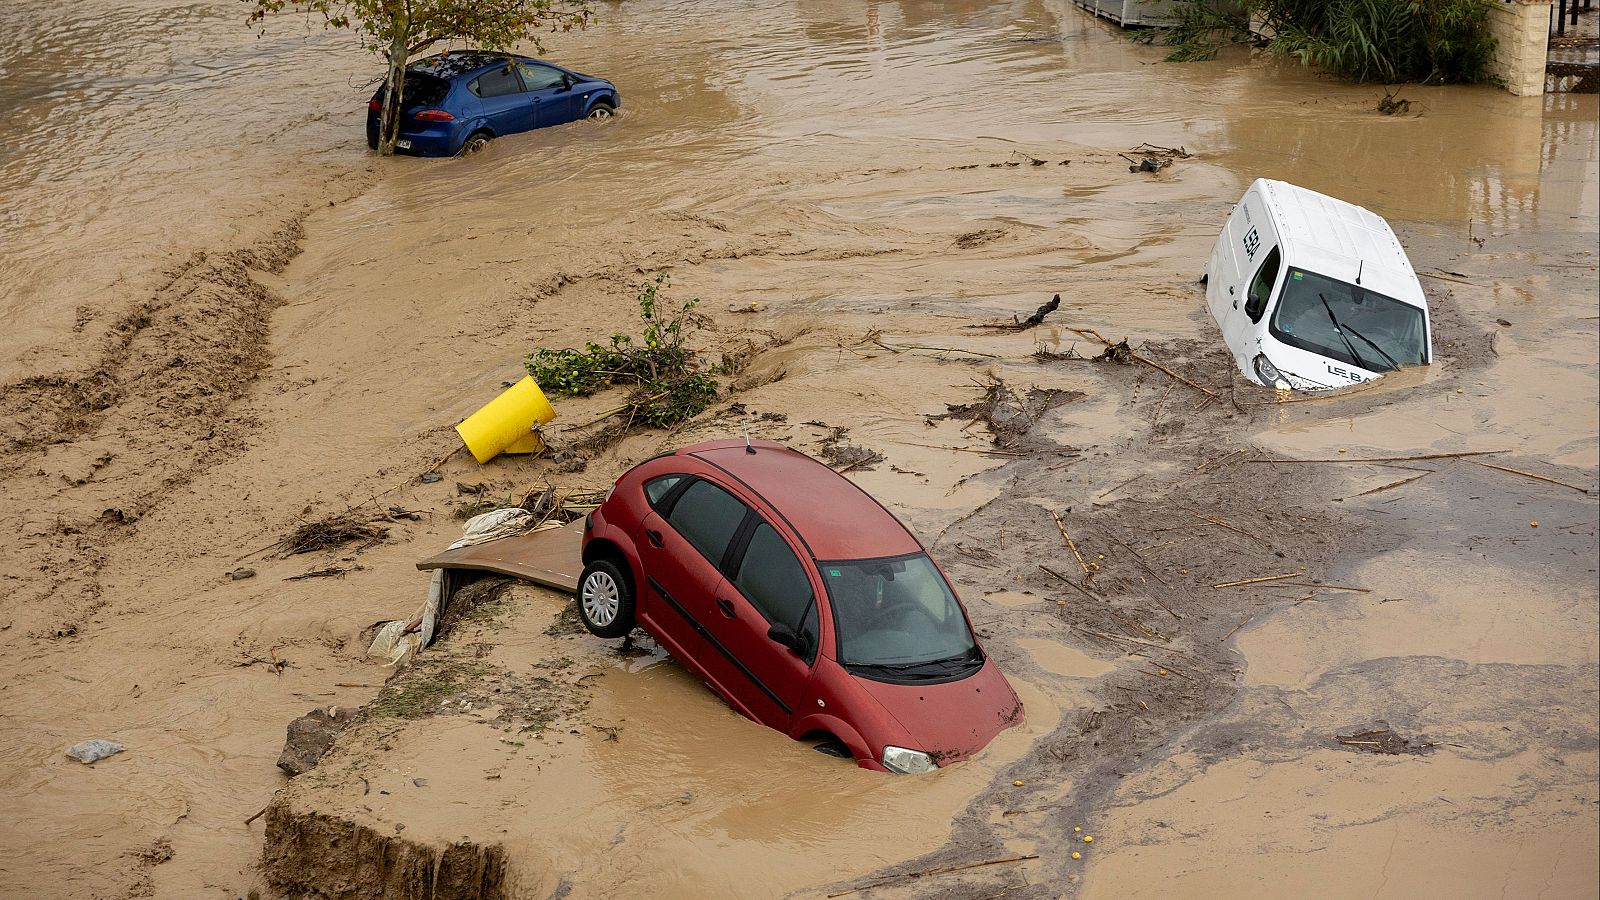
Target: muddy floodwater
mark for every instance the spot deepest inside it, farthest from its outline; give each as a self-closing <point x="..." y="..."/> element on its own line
<point x="222" y="317"/>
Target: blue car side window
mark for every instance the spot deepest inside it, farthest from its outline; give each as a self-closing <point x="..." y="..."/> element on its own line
<point x="538" y="77"/>
<point x="497" y="83"/>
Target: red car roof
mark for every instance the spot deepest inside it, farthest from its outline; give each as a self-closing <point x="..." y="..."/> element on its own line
<point x="834" y="517"/>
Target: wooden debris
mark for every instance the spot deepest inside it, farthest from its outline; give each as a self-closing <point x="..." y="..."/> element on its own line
<point x="1330" y="587"/>
<point x="1262" y="580"/>
<point x="1533" y="476"/>
<point x="1383" y="740"/>
<point x="1090" y="332"/>
<point x="1062" y="527"/>
<point x="1381" y="459"/>
<point x="1394" y="484"/>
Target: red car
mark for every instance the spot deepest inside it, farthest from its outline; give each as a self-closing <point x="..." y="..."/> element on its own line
<point x="798" y="599"/>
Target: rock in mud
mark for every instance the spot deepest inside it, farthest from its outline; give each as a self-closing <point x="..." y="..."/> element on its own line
<point x="94" y="751"/>
<point x="309" y="853"/>
<point x="310" y="736"/>
<point x="241" y="573"/>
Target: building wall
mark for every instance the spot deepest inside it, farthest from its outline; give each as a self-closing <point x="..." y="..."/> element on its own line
<point x="1521" y="30"/>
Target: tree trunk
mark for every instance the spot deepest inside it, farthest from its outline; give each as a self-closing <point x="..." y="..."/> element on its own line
<point x="389" y="118"/>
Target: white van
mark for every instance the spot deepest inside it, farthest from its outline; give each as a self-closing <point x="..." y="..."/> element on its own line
<point x="1314" y="293"/>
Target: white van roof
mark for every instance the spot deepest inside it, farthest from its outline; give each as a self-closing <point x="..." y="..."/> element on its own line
<point x="1331" y="237"/>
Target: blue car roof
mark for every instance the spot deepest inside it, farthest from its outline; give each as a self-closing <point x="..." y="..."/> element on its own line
<point x="463" y="62"/>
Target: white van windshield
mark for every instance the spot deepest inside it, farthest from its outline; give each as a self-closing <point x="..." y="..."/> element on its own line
<point x="898" y="615"/>
<point x="1349" y="323"/>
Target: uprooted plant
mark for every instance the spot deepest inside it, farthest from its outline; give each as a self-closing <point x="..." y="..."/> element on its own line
<point x="671" y="382"/>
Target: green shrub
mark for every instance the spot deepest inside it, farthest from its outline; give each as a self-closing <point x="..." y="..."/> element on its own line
<point x="671" y="382"/>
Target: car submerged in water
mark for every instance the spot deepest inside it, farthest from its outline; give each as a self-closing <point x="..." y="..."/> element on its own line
<point x="798" y="599"/>
<point x="1314" y="293"/>
<point x="454" y="103"/>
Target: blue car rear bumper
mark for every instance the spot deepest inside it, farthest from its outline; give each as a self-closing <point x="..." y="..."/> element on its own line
<point x="439" y="139"/>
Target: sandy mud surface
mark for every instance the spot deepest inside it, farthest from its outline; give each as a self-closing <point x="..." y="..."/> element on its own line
<point x="205" y="349"/>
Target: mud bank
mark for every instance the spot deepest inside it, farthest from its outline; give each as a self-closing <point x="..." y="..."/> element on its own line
<point x="330" y="857"/>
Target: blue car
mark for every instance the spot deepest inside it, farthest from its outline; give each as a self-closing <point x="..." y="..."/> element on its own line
<point x="457" y="102"/>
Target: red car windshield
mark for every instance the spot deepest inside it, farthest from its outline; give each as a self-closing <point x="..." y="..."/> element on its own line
<point x="898" y="614"/>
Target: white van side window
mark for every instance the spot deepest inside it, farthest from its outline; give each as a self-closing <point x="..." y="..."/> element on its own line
<point x="1261" y="286"/>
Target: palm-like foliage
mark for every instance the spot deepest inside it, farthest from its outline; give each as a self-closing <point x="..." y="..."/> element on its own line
<point x="1366" y="40"/>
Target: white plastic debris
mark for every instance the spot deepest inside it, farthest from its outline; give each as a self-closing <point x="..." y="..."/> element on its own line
<point x="94" y="751"/>
<point x="396" y="642"/>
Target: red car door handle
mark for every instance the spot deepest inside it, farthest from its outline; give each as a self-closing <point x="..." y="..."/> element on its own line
<point x="726" y="607"/>
<point x="655" y="537"/>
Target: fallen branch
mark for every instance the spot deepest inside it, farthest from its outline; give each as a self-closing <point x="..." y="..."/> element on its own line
<point x="256" y="816"/>
<point x="1221" y="524"/>
<point x="1263" y="579"/>
<point x="904" y="347"/>
<point x="1072" y="584"/>
<point x="1243" y="622"/>
<point x="1330" y="587"/>
<point x="1531" y="475"/>
<point x="1062" y="527"/>
<point x="1382" y="459"/>
<point x="1395" y="484"/>
<point x="329" y="572"/>
<point x="1090" y="332"/>
<point x="1449" y="279"/>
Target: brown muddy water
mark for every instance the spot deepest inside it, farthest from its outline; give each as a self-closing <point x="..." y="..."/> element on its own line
<point x="221" y="314"/>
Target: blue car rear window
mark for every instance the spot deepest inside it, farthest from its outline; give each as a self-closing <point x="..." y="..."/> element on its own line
<point x="420" y="90"/>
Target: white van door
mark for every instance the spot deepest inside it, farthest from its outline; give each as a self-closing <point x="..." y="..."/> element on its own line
<point x="1260" y="261"/>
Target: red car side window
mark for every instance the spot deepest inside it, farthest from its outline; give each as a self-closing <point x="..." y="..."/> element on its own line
<point x="707" y="516"/>
<point x="657" y="489"/>
<point x="775" y="582"/>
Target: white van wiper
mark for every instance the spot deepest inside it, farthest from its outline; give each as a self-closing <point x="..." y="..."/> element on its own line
<point x="1392" y="364"/>
<point x="1339" y="330"/>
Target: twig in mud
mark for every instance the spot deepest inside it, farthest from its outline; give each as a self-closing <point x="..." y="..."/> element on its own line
<point x="1144" y="565"/>
<point x="1122" y="485"/>
<point x="1221" y="524"/>
<point x="1072" y="584"/>
<point x="1531" y="475"/>
<point x="1449" y="279"/>
<point x="1381" y="459"/>
<point x="872" y="338"/>
<point x="1242" y="623"/>
<point x="941" y="870"/>
<point x="1309" y="596"/>
<point x="1330" y="587"/>
<point x="1061" y="526"/>
<point x="1263" y="579"/>
<point x="329" y="572"/>
<point x="1090" y="332"/>
<point x="1394" y="484"/>
<point x="965" y="449"/>
<point x="1118" y="637"/>
<point x="256" y="816"/>
<point x="443" y="459"/>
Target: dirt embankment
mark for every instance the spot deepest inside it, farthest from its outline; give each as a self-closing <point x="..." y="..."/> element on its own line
<point x="86" y="454"/>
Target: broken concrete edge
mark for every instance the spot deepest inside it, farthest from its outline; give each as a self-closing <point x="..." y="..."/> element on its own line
<point x="325" y="856"/>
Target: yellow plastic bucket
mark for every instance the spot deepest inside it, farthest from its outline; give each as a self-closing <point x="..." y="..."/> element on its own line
<point x="505" y="424"/>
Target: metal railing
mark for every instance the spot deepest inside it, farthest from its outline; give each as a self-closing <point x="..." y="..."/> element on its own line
<point x="1560" y="14"/>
